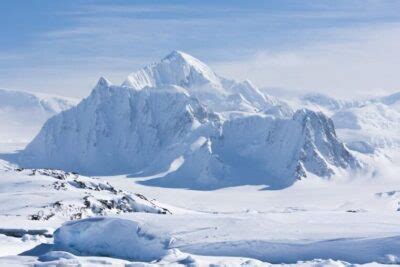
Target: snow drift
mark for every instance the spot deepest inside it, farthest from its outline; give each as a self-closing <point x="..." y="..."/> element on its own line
<point x="224" y="132"/>
<point x="133" y="240"/>
<point x="98" y="236"/>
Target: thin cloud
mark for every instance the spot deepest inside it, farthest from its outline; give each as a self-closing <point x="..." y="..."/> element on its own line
<point x="311" y="45"/>
<point x="365" y="61"/>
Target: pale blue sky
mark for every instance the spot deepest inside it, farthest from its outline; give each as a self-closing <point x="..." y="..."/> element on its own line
<point x="338" y="47"/>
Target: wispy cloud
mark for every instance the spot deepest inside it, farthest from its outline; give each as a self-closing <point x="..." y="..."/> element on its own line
<point x="307" y="45"/>
<point x="362" y="61"/>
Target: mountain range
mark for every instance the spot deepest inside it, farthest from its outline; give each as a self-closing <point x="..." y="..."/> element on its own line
<point x="185" y="125"/>
<point x="22" y="114"/>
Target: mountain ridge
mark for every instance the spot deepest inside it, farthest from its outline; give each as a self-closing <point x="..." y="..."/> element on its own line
<point x="123" y="129"/>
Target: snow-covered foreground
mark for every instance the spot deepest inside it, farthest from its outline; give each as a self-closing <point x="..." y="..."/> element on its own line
<point x="344" y="221"/>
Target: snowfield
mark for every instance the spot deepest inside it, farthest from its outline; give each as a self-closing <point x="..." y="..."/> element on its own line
<point x="181" y="167"/>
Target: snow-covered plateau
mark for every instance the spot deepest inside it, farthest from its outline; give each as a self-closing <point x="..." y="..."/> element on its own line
<point x="180" y="166"/>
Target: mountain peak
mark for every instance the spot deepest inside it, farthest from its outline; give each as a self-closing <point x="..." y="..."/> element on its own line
<point x="103" y="82"/>
<point x="181" y="69"/>
<point x="177" y="68"/>
<point x="184" y="58"/>
<point x="177" y="54"/>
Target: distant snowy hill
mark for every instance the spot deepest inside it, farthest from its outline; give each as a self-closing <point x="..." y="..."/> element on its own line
<point x="365" y="125"/>
<point x="22" y="114"/>
<point x="327" y="103"/>
<point x="180" y="122"/>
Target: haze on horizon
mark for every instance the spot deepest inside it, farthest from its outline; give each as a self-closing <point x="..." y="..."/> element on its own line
<point x="343" y="48"/>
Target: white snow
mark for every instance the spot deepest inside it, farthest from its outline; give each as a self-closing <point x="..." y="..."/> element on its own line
<point x="143" y="130"/>
<point x="98" y="236"/>
<point x="175" y="127"/>
<point x="219" y="94"/>
<point x="56" y="255"/>
<point x="365" y="125"/>
<point x="33" y="195"/>
<point x="22" y="114"/>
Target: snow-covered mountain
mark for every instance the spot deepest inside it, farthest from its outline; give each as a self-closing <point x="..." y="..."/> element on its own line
<point x="178" y="124"/>
<point x="327" y="103"/>
<point x="365" y="125"/>
<point x="22" y="114"/>
<point x="117" y="129"/>
<point x="392" y="100"/>
<point x="200" y="81"/>
<point x="179" y="120"/>
<point x="262" y="149"/>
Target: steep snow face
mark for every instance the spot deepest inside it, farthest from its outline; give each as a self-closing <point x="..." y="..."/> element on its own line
<point x="261" y="149"/>
<point x="23" y="113"/>
<point x="119" y="130"/>
<point x="168" y="132"/>
<point x="190" y="73"/>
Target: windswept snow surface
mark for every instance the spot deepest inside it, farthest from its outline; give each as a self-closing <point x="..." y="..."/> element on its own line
<point x="147" y="241"/>
<point x="53" y="196"/>
<point x="98" y="236"/>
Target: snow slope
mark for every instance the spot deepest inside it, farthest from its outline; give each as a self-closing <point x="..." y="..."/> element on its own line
<point x="145" y="130"/>
<point x="351" y="221"/>
<point x="263" y="150"/>
<point x="145" y="241"/>
<point x="117" y="129"/>
<point x="327" y="103"/>
<point x="365" y="125"/>
<point x="55" y="196"/>
<point x="22" y="114"/>
<point x="97" y="236"/>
